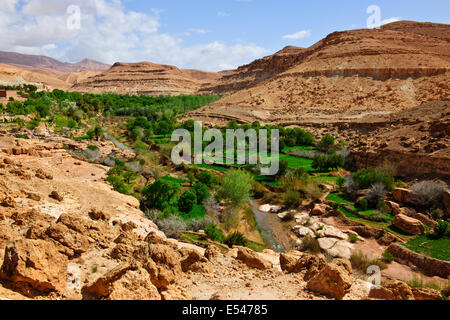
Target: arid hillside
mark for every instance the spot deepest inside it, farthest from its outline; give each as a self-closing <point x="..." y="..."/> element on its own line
<point x="146" y="78"/>
<point x="11" y="75"/>
<point x="397" y="67"/>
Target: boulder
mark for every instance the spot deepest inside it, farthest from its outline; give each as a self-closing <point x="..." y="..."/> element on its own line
<point x="193" y="260"/>
<point x="212" y="252"/>
<point x="409" y="225"/>
<point x="320" y="209"/>
<point x="99" y="215"/>
<point x="396" y="290"/>
<point x="335" y="247"/>
<point x="164" y="265"/>
<point x="426" y="294"/>
<point x="34" y="266"/>
<point x="332" y="232"/>
<point x="57" y="196"/>
<point x="134" y="285"/>
<point x="392" y="207"/>
<point x="303" y="231"/>
<point x="288" y="261"/>
<point x="77" y="242"/>
<point x="252" y="259"/>
<point x="401" y="195"/>
<point x="332" y="281"/>
<point x="302" y="218"/>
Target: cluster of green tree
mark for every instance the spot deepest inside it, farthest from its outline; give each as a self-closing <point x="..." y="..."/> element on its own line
<point x="121" y="179"/>
<point x="165" y="196"/>
<point x="327" y="162"/>
<point x="28" y="88"/>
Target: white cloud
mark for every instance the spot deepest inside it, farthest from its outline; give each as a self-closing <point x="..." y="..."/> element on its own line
<point x="223" y="14"/>
<point x="298" y="35"/>
<point x="110" y="33"/>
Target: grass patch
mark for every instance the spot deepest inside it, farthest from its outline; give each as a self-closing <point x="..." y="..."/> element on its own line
<point x="438" y="249"/>
<point x="338" y="197"/>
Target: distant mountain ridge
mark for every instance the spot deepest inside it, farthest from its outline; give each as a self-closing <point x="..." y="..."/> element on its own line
<point x="44" y="62"/>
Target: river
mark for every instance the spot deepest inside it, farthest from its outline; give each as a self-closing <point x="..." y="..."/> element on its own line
<point x="265" y="228"/>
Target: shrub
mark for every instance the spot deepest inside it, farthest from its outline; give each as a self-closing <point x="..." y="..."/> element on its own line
<point x="236" y="186"/>
<point x="418" y="282"/>
<point x="441" y="229"/>
<point x="426" y="193"/>
<point x="201" y="191"/>
<point x="376" y="194"/>
<point x="341" y="182"/>
<point x="311" y="245"/>
<point x="236" y="239"/>
<point x="161" y="194"/>
<point x="353" y="238"/>
<point x="172" y="226"/>
<point x="200" y="224"/>
<point x="187" y="201"/>
<point x="363" y="204"/>
<point x="214" y="233"/>
<point x="292" y="199"/>
<point x="436" y="214"/>
<point x="387" y="257"/>
<point x="360" y="261"/>
<point x="207" y="178"/>
<point x="324" y="163"/>
<point x="366" y="178"/>
<point x="92" y="147"/>
<point x="326" y="143"/>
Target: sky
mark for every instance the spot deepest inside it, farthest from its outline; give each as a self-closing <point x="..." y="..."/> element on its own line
<point x="210" y="35"/>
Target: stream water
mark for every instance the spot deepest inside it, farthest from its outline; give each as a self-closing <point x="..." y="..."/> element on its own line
<point x="264" y="228"/>
<point x="116" y="142"/>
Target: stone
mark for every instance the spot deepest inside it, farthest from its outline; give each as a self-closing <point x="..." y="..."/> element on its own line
<point x="134" y="285"/>
<point x="302" y="218"/>
<point x="165" y="266"/>
<point x="409" y="225"/>
<point x="426" y="294"/>
<point x="193" y="260"/>
<point x="288" y="261"/>
<point x="303" y="231"/>
<point x="346" y="264"/>
<point x="401" y="195"/>
<point x="69" y="238"/>
<point x="392" y="207"/>
<point x="332" y="281"/>
<point x="396" y="290"/>
<point x="212" y="252"/>
<point x="252" y="259"/>
<point x="320" y="209"/>
<point x="332" y="232"/>
<point x="99" y="215"/>
<point x="103" y="285"/>
<point x="56" y="195"/>
<point x="8" y="202"/>
<point x="34" y="266"/>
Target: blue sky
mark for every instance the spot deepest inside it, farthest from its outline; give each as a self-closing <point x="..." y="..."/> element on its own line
<point x="204" y="34"/>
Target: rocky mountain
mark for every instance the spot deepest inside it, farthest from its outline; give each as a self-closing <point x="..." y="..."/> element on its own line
<point x="396" y="67"/>
<point x="47" y="79"/>
<point x="256" y="72"/>
<point x="43" y="62"/>
<point x="146" y="78"/>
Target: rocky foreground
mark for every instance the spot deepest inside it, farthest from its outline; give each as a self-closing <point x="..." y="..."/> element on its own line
<point x="64" y="234"/>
